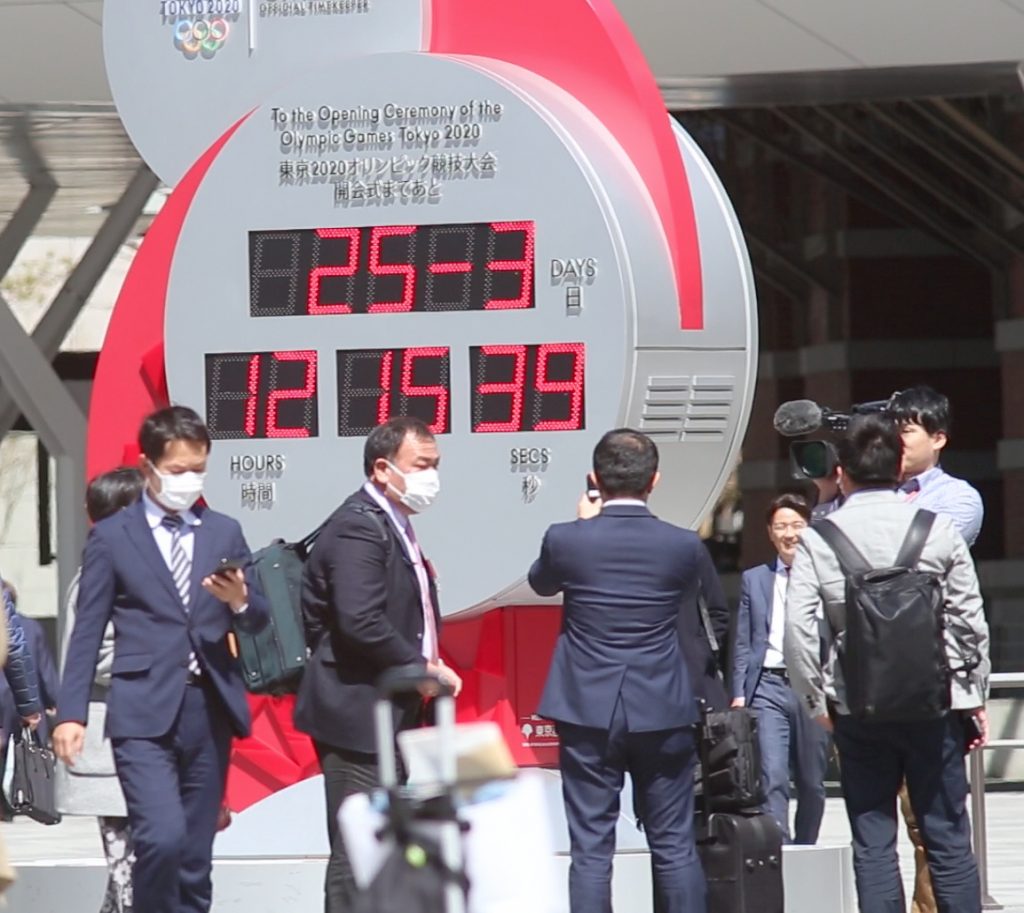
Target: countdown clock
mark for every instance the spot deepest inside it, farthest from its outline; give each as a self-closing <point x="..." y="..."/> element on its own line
<point x="496" y="268"/>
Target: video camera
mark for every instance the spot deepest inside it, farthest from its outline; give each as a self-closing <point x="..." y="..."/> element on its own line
<point x="817" y="459"/>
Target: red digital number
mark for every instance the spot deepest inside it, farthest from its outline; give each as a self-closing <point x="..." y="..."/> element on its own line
<point x="253" y="389"/>
<point x="407" y="270"/>
<point x="516" y="388"/>
<point x="440" y="423"/>
<point x="524" y="266"/>
<point x="573" y="386"/>
<point x="387" y="359"/>
<point x="313" y="305"/>
<point x="307" y="391"/>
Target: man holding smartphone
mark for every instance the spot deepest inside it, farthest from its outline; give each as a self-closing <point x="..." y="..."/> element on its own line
<point x="176" y="694"/>
<point x="618" y="687"/>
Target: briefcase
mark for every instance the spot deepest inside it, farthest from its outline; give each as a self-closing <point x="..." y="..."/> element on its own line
<point x="32" y="787"/>
<point x="732" y="773"/>
<point x="273" y="659"/>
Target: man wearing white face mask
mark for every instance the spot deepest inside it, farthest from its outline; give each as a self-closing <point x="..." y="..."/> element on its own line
<point x="176" y="694"/>
<point x="369" y="604"/>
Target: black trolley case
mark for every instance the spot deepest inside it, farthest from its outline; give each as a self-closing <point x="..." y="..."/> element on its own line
<point x="741" y="852"/>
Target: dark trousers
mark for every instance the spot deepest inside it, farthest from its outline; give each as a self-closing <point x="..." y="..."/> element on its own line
<point x="345" y="773"/>
<point x="873" y="759"/>
<point x="790" y="741"/>
<point x="173" y="787"/>
<point x="593" y="763"/>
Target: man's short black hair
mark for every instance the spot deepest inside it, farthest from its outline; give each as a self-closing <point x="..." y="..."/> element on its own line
<point x="788" y="501"/>
<point x="174" y="423"/>
<point x="871" y="450"/>
<point x="625" y="462"/>
<point x="922" y="406"/>
<point x="384" y="442"/>
<point x="111" y="491"/>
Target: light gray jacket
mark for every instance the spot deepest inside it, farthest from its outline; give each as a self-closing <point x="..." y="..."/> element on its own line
<point x="91" y="787"/>
<point x="876" y="522"/>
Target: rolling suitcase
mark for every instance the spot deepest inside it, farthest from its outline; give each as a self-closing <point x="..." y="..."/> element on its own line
<point x="423" y="871"/>
<point x="741" y="853"/>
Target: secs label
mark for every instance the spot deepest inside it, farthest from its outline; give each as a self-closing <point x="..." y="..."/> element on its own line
<point x="532" y="457"/>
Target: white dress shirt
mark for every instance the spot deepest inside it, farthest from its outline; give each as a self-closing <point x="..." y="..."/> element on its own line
<point x="403" y="527"/>
<point x="163" y="536"/>
<point x="773" y="656"/>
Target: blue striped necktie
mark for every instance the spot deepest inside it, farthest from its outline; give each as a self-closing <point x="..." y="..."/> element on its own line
<point x="181" y="571"/>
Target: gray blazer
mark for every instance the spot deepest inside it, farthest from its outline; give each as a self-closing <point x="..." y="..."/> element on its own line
<point x="876" y="521"/>
<point x="91" y="787"/>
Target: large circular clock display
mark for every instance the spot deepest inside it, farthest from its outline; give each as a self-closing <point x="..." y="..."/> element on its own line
<point x="478" y="253"/>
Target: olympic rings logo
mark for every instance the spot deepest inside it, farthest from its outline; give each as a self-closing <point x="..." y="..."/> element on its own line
<point x="200" y="37"/>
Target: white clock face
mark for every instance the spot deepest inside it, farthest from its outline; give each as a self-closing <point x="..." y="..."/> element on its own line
<point x="411" y="234"/>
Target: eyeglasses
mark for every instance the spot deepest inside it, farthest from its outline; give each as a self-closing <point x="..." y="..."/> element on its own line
<point x="796" y="526"/>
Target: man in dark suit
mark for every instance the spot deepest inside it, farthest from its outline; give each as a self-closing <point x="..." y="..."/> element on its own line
<point x="618" y="687"/>
<point x="703" y="663"/>
<point x="19" y="668"/>
<point x="788" y="737"/>
<point x="46" y="681"/>
<point x="369" y="603"/>
<point x="176" y="694"/>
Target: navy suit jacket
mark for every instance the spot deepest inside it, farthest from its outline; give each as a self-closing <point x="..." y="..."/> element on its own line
<point x="46" y="679"/>
<point x="625" y="576"/>
<point x="125" y="578"/>
<point x="20" y="668"/>
<point x="753" y="621"/>
<point x="363" y="615"/>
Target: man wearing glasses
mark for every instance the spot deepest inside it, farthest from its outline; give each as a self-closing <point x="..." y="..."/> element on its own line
<point x="787" y="735"/>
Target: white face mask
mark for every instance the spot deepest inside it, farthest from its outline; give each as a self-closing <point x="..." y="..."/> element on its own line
<point x="421" y="488"/>
<point x="179" y="491"/>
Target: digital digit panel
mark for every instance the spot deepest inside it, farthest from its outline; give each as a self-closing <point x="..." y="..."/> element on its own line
<point x="261" y="395"/>
<point x="389" y="269"/>
<point x="528" y="387"/>
<point x="375" y="384"/>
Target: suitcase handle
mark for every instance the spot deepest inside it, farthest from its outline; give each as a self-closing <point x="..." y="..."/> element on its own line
<point x="411" y="679"/>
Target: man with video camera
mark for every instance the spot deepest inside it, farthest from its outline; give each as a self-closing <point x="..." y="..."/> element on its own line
<point x="898" y="706"/>
<point x="924" y="418"/>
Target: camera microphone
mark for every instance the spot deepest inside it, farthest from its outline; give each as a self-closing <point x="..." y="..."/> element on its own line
<point x="797" y="417"/>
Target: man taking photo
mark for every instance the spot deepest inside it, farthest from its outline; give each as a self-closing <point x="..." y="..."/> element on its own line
<point x="618" y="687"/>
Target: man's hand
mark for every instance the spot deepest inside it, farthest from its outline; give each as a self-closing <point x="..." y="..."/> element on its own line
<point x="738" y="702"/>
<point x="587" y="509"/>
<point x="981" y="719"/>
<point x="447" y="675"/>
<point x="32" y="720"/>
<point x="68" y="739"/>
<point x="223" y="818"/>
<point x="824" y="721"/>
<point x="229" y="588"/>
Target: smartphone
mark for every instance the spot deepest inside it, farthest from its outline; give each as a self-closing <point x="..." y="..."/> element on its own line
<point x="591" y="489"/>
<point x="230" y="564"/>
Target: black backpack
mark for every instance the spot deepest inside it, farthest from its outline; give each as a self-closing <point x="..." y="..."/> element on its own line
<point x="893" y="656"/>
<point x="274" y="658"/>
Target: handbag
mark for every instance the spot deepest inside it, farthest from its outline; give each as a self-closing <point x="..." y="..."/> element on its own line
<point x="732" y="759"/>
<point x="730" y="748"/>
<point x="32" y="787"/>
